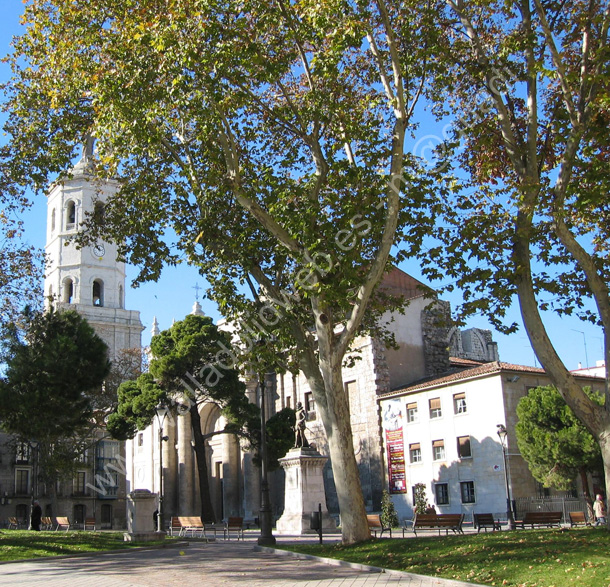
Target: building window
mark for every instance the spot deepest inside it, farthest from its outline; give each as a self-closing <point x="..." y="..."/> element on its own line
<point x="310" y="405"/>
<point x="463" y="446"/>
<point x="22" y="453"/>
<point x="98" y="292"/>
<point x="438" y="450"/>
<point x="467" y="488"/>
<point x="351" y="391"/>
<point x="53" y="220"/>
<point x="140" y="439"/>
<point x="415" y="453"/>
<point x="441" y="491"/>
<point x="120" y="296"/>
<point x="459" y="403"/>
<point x="79" y="483"/>
<point x="99" y="213"/>
<point x="70" y="215"/>
<point x="68" y="291"/>
<point x="412" y="415"/>
<point x="435" y="408"/>
<point x="288" y="401"/>
<point x="22" y="481"/>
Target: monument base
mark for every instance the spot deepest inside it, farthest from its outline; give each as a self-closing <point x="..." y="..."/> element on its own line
<point x="304" y="492"/>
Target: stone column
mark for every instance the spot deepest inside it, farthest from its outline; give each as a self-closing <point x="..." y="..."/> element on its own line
<point x="185" y="466"/>
<point x="304" y="490"/>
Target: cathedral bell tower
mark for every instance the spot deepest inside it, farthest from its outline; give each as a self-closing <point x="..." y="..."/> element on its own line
<point x="89" y="280"/>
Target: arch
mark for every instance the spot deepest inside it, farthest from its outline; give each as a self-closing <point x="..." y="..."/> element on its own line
<point x="70" y="214"/>
<point x="53" y="220"/>
<point x="68" y="291"/>
<point x="98" y="292"/>
<point x="99" y="213"/>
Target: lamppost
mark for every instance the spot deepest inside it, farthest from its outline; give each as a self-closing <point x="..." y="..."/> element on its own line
<point x="34" y="447"/>
<point x="161" y="415"/>
<point x="266" y="538"/>
<point x="502" y="434"/>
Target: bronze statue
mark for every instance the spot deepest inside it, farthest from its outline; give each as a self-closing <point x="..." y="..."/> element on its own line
<point x="300" y="440"/>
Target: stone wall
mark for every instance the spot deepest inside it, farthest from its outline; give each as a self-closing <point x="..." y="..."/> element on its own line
<point x="436" y="322"/>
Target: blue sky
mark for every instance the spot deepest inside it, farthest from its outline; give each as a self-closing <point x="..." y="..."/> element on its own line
<point x="173" y="296"/>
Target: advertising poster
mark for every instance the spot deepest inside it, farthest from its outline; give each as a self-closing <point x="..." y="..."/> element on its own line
<point x="392" y="423"/>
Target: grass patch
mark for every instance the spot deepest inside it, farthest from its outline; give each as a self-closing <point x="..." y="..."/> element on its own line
<point x="22" y="544"/>
<point x="530" y="558"/>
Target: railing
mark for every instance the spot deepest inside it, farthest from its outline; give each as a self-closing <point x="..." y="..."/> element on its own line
<point x="550" y="504"/>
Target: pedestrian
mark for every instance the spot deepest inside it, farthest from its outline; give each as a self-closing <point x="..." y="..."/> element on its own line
<point x="36" y="517"/>
<point x="599" y="509"/>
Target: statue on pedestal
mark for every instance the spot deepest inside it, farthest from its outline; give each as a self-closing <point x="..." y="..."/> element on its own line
<point x="300" y="440"/>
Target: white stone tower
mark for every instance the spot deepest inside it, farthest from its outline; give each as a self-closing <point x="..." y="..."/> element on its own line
<point x="89" y="280"/>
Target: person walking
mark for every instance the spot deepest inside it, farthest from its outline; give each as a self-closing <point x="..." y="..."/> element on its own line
<point x="599" y="509"/>
<point x="36" y="516"/>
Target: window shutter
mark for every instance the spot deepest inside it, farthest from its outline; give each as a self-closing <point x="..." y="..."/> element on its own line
<point x="435" y="403"/>
<point x="436" y="443"/>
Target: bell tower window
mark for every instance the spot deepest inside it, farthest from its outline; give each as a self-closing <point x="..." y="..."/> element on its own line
<point x="98" y="293"/>
<point x="98" y="213"/>
<point x="53" y="220"/>
<point x="70" y="215"/>
<point x="68" y="291"/>
<point x="120" y="296"/>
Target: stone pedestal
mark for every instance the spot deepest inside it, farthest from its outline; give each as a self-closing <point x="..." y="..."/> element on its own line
<point x="304" y="491"/>
<point x="141" y="506"/>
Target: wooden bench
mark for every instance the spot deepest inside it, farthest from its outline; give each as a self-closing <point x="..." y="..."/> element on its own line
<point x="192" y="525"/>
<point x="539" y="519"/>
<point x="175" y="527"/>
<point x="438" y="522"/>
<point x="46" y="523"/>
<point x="375" y="525"/>
<point x="13" y="523"/>
<point x="234" y="524"/>
<point x="485" y="521"/>
<point x="578" y="519"/>
<point x="89" y="524"/>
<point x="62" y="523"/>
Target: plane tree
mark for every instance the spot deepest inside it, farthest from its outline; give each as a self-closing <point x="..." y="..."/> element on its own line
<point x="527" y="156"/>
<point x="263" y="142"/>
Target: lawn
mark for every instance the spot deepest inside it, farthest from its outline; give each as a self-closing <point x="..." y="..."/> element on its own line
<point x="21" y="544"/>
<point x="522" y="558"/>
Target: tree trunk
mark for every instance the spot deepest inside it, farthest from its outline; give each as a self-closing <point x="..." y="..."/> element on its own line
<point x="331" y="402"/>
<point x="207" y="509"/>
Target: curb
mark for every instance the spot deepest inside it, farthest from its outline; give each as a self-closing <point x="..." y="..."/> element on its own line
<point x="442" y="582"/>
<point x="94" y="553"/>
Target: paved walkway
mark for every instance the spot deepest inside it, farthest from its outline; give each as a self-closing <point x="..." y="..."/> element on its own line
<point x="230" y="563"/>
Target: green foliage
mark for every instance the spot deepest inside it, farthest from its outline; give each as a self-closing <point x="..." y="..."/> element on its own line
<point x="421" y="501"/>
<point x="183" y="372"/>
<point x="52" y="374"/>
<point x="280" y="437"/>
<point x="51" y="390"/>
<point x="555" y="444"/>
<point x="389" y="516"/>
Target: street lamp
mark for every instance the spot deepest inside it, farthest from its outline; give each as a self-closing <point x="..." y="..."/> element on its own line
<point x="266" y="538"/>
<point x="34" y="446"/>
<point x="502" y="434"/>
<point x="161" y="415"/>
